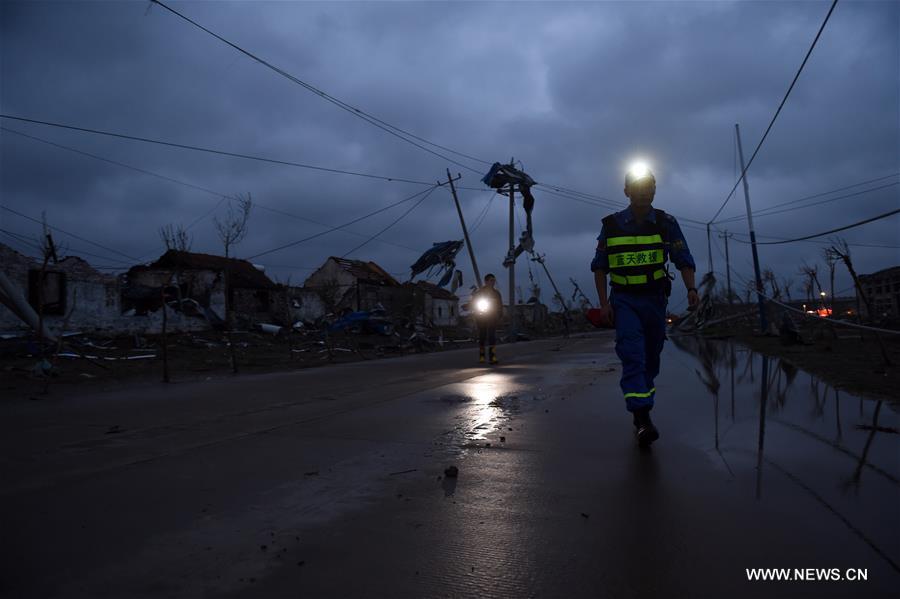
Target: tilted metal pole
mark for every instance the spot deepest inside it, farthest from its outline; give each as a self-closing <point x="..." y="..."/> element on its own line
<point x="759" y="287"/>
<point x="478" y="281"/>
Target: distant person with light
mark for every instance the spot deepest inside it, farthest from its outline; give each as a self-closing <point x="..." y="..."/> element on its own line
<point x="487" y="306"/>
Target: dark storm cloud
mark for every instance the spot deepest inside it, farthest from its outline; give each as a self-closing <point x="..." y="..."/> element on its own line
<point x="574" y="91"/>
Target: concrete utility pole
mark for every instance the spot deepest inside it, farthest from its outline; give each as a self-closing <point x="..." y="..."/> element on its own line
<point x="478" y="281"/>
<point x="512" y="263"/>
<point x="725" y="236"/>
<point x="759" y="287"/>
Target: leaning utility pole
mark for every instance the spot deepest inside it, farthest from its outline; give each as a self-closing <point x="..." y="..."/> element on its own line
<point x="478" y="281"/>
<point x="562" y="302"/>
<point x="578" y="291"/>
<point x="725" y="236"/>
<point x="759" y="287"/>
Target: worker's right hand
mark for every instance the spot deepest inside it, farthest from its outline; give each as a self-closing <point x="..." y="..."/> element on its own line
<point x="606" y="313"/>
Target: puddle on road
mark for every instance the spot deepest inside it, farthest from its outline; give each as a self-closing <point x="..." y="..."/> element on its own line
<point x="486" y="405"/>
<point x="788" y="437"/>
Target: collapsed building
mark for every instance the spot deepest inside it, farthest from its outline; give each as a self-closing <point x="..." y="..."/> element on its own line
<point x="203" y="287"/>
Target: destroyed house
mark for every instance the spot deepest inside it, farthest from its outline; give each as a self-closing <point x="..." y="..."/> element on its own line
<point x="67" y="292"/>
<point x="353" y="284"/>
<point x="435" y="305"/>
<point x="202" y="285"/>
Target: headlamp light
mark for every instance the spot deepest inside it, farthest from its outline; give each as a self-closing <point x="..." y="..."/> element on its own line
<point x="482" y="305"/>
<point x="638" y="172"/>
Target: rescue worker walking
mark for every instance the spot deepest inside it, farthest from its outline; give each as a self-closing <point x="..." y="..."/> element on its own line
<point x="488" y="305"/>
<point x="632" y="250"/>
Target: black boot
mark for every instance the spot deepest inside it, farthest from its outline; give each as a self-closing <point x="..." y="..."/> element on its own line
<point x="643" y="428"/>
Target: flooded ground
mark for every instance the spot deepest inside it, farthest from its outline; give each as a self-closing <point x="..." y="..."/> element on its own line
<point x="788" y="438"/>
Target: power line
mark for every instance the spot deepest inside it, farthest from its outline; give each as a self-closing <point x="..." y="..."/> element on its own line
<point x="843" y="197"/>
<point x="862" y="222"/>
<point x="864" y="245"/>
<point x="321" y="224"/>
<point x="339" y="227"/>
<point x="579" y="193"/>
<point x="777" y="112"/>
<point x="108" y="249"/>
<point x="481" y="217"/>
<point x="222" y="197"/>
<point x="212" y="151"/>
<point x="397" y="220"/>
<point x="765" y="211"/>
<point x="24" y="239"/>
<point x="387" y="127"/>
<point x="117" y="163"/>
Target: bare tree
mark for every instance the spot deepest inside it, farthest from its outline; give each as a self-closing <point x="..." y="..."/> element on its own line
<point x="749" y="290"/>
<point x="232" y="231"/>
<point x="842" y="250"/>
<point x="768" y="276"/>
<point x="233" y="228"/>
<point x="812" y="275"/>
<point x="176" y="237"/>
<point x="786" y="283"/>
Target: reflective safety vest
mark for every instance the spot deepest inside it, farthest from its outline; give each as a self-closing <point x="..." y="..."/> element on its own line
<point x="637" y="262"/>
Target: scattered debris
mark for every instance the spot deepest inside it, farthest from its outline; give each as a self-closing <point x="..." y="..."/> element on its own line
<point x="274" y="329"/>
<point x="402" y="472"/>
<point x="114" y="429"/>
<point x="43" y="369"/>
<point x="311" y="473"/>
<point x="451" y="472"/>
<point x="583" y="515"/>
<point x="503" y="439"/>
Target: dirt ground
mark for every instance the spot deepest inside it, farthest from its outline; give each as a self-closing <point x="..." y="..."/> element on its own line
<point x="191" y="356"/>
<point x="108" y="363"/>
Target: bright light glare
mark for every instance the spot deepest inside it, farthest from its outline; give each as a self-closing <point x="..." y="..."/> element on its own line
<point x="638" y="170"/>
<point x="482" y="305"/>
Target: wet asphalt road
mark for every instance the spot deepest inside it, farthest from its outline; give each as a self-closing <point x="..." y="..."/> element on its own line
<point x="330" y="482"/>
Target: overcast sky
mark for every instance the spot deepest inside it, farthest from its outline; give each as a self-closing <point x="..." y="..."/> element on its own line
<point x="575" y="91"/>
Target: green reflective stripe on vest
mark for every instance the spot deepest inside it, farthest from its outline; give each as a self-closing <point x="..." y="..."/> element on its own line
<point x="633" y="240"/>
<point x="647" y="394"/>
<point x="629" y="280"/>
<point x="635" y="279"/>
<point x="635" y="258"/>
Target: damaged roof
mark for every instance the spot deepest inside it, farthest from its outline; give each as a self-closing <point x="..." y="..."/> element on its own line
<point x="243" y="274"/>
<point x="366" y="271"/>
